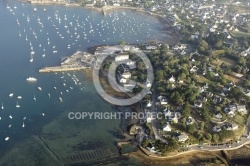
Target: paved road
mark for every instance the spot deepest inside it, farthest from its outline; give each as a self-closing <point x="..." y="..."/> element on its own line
<point x="154" y="120"/>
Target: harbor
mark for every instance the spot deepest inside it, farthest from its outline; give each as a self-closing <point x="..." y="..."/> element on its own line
<point x="78" y="61"/>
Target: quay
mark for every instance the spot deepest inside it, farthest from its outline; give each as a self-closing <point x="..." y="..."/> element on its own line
<point x="60" y="69"/>
<point x="78" y="61"/>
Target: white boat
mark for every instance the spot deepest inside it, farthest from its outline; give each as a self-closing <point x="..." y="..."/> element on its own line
<point x="34" y="97"/>
<point x="43" y="114"/>
<point x="2" y="106"/>
<point x="54" y="87"/>
<point x="9" y="126"/>
<point x="39" y="88"/>
<point x="17" y="105"/>
<point x="60" y="99"/>
<point x="44" y="9"/>
<point x="23" y="125"/>
<point x="19" y="97"/>
<point x="10" y="117"/>
<point x="35" y="9"/>
<point x="11" y="94"/>
<point x="49" y="94"/>
<point x="7" y="138"/>
<point x="31" y="79"/>
<point x="43" y="55"/>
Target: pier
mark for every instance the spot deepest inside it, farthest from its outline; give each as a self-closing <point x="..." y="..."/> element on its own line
<point x="78" y="61"/>
<point x="61" y="69"/>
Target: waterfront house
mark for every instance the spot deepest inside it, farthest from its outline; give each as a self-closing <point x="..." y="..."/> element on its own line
<point x="121" y="57"/>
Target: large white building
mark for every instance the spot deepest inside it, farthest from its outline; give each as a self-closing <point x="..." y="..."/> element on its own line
<point x="121" y="57"/>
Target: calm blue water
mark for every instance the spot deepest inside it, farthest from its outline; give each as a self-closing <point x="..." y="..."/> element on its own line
<point x="65" y="30"/>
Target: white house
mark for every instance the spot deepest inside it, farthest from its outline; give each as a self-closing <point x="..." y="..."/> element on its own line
<point x="122" y="80"/>
<point x="198" y="104"/>
<point x="242" y="109"/>
<point x="126" y="75"/>
<point x="172" y="116"/>
<point x="171" y="79"/>
<point x="183" y="137"/>
<point x="121" y="57"/>
<point x="148" y="84"/>
<point x="167" y="127"/>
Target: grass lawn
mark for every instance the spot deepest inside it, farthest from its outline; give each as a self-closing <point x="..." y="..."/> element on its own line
<point x="229" y="62"/>
<point x="202" y="79"/>
<point x="239" y="34"/>
<point x="239" y="119"/>
<point x="233" y="78"/>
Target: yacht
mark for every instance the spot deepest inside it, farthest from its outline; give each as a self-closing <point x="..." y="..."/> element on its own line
<point x="10" y="117"/>
<point x="17" y="105"/>
<point x="34" y="97"/>
<point x="2" y="106"/>
<point x="31" y="59"/>
<point x="31" y="79"/>
<point x="11" y="94"/>
<point x="7" y="138"/>
<point x="23" y="125"/>
<point x="19" y="97"/>
<point x="43" y="114"/>
<point x="9" y="126"/>
<point x="49" y="94"/>
<point x="39" y="88"/>
<point x="35" y="9"/>
<point x="60" y="99"/>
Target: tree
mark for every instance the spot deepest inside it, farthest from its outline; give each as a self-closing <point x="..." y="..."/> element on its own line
<point x="191" y="128"/>
<point x="208" y="137"/>
<point x="186" y="111"/>
<point x="242" y="61"/>
<point x="141" y="66"/>
<point x="160" y="75"/>
<point x="215" y="138"/>
<point x="247" y="83"/>
<point x="122" y="43"/>
<point x="145" y="143"/>
<point x="202" y="124"/>
<point x="203" y="46"/>
<point x="218" y="44"/>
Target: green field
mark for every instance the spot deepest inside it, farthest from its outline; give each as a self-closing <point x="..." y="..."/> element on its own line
<point x="239" y="34"/>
